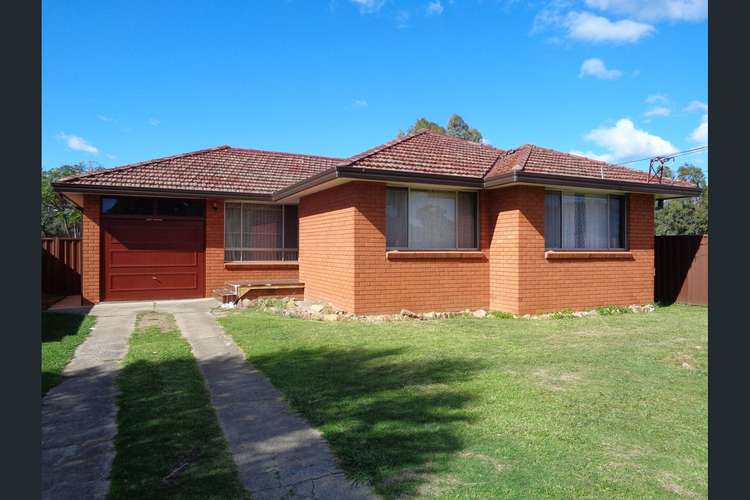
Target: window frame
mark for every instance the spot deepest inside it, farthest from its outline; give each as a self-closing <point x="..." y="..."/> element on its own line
<point x="241" y="249"/>
<point x="455" y="192"/>
<point x="624" y="220"/>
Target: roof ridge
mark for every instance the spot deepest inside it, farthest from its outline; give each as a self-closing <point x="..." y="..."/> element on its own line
<point x="377" y="149"/>
<point x="530" y="148"/>
<point x="142" y="163"/>
<point x="254" y="150"/>
<point x="473" y="143"/>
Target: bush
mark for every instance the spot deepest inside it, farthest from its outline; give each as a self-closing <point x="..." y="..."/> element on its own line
<point x="564" y="314"/>
<point x="612" y="309"/>
<point x="500" y="314"/>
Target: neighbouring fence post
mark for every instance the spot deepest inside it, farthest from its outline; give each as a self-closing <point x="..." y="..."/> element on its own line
<point x="681" y="269"/>
<point x="61" y="266"/>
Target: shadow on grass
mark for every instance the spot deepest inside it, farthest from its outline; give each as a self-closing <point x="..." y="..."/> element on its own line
<point x="390" y="420"/>
<point x="61" y="334"/>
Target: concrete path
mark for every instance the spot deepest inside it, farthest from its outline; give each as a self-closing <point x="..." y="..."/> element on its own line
<point x="79" y="416"/>
<point x="277" y="453"/>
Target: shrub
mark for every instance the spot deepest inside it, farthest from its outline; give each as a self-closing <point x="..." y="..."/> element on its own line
<point x="500" y="314"/>
<point x="612" y="309"/>
<point x="564" y="314"/>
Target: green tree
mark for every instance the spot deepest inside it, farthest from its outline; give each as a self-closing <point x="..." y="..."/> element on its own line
<point x="684" y="216"/>
<point x="59" y="216"/>
<point x="457" y="127"/>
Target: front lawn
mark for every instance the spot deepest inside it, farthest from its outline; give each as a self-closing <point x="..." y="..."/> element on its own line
<point x="61" y="335"/>
<point x="599" y="407"/>
<point x="169" y="443"/>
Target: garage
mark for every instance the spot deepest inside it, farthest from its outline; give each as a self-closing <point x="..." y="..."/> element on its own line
<point x="152" y="248"/>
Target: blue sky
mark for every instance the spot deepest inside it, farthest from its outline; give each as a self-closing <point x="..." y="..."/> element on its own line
<point x="130" y="81"/>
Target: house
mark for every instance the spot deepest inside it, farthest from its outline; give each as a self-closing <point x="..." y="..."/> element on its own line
<point x="426" y="222"/>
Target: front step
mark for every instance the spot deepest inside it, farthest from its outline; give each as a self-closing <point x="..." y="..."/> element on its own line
<point x="225" y="295"/>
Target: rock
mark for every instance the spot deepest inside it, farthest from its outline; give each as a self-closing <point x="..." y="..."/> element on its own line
<point x="526" y="316"/>
<point x="316" y="308"/>
<point x="408" y="314"/>
<point x="330" y="317"/>
<point x="686" y="365"/>
<point x="429" y="315"/>
<point x="479" y="313"/>
<point x="245" y="302"/>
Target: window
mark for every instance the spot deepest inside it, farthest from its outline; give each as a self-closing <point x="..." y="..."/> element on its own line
<point x="169" y="207"/>
<point x="584" y="221"/>
<point x="255" y="232"/>
<point x="430" y="220"/>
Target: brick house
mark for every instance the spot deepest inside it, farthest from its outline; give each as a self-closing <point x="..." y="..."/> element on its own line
<point x="426" y="222"/>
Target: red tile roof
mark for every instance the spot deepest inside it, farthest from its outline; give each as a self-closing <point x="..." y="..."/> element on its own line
<point x="427" y="152"/>
<point x="221" y="169"/>
<point x="254" y="172"/>
<point x="538" y="160"/>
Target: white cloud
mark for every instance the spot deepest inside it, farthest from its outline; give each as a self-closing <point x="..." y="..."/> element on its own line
<point x="592" y="28"/>
<point x="359" y="103"/>
<point x="654" y="10"/>
<point x="660" y="111"/>
<point x="434" y="8"/>
<point x="596" y="68"/>
<point x="104" y="118"/>
<point x="77" y="143"/>
<point x="402" y="19"/>
<point x="369" y="6"/>
<point x="154" y="122"/>
<point x="700" y="134"/>
<point x="624" y="141"/>
<point x="592" y="155"/>
<point x="694" y="106"/>
<point x="656" y="99"/>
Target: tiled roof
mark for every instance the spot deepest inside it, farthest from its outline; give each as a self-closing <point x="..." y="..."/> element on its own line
<point x="221" y="169"/>
<point x="537" y="160"/>
<point x="254" y="172"/>
<point x="427" y="152"/>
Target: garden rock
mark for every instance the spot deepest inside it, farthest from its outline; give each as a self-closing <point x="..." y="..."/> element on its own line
<point x="479" y="313"/>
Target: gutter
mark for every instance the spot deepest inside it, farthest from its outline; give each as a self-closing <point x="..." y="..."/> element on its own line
<point x="62" y="187"/>
<point x="564" y="180"/>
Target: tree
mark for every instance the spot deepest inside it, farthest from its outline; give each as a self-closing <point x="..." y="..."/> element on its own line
<point x="457" y="127"/>
<point x="59" y="216"/>
<point x="685" y="216"/>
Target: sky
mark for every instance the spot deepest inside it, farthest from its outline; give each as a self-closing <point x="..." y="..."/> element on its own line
<point x="128" y="81"/>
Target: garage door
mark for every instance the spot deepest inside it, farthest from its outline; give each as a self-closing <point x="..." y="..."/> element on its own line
<point x="153" y="258"/>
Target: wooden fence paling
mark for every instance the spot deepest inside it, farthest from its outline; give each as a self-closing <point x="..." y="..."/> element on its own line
<point x="681" y="266"/>
<point x="61" y="266"/>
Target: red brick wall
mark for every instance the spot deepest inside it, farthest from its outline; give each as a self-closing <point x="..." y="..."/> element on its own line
<point x="524" y="281"/>
<point x="217" y="272"/>
<point x="343" y="259"/>
<point x="91" y="277"/>
<point x="326" y="244"/>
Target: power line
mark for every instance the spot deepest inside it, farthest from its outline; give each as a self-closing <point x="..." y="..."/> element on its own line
<point x="674" y="155"/>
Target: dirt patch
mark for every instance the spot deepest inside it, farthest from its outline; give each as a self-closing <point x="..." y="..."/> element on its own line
<point x="427" y="482"/>
<point x="622" y="457"/>
<point x="667" y="481"/>
<point x="162" y="321"/>
<point x="555" y="381"/>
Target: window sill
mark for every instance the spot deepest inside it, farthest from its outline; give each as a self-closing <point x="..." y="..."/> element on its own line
<point x="426" y="254"/>
<point x="583" y="254"/>
<point x="261" y="263"/>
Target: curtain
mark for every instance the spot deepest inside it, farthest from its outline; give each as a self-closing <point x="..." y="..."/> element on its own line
<point x="396" y="211"/>
<point x="616" y="225"/>
<point x="232" y="232"/>
<point x="466" y="228"/>
<point x="552" y="219"/>
<point x="569" y="221"/>
<point x="432" y="219"/>
<point x="596" y="221"/>
<point x="261" y="232"/>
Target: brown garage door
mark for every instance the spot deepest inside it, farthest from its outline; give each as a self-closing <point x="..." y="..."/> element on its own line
<point x="153" y="258"/>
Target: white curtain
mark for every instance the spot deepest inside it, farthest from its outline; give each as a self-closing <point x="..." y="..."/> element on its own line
<point x="432" y="219"/>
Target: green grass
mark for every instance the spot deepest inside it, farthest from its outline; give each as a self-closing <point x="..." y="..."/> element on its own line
<point x="169" y="443"/>
<point x="61" y="334"/>
<point x="597" y="407"/>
